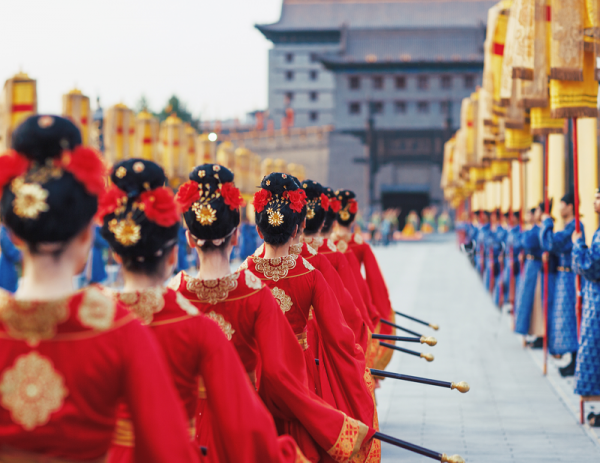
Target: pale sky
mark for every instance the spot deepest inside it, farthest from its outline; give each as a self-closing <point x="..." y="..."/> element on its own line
<point x="206" y="52"/>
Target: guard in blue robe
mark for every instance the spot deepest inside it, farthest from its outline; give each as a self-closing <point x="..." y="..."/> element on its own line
<point x="512" y="242"/>
<point x="249" y="239"/>
<point x="586" y="262"/>
<point x="10" y="256"/>
<point x="562" y="327"/>
<point x="493" y="247"/>
<point x="530" y="241"/>
<point x="98" y="265"/>
<point x="182" y="250"/>
<point x="480" y="241"/>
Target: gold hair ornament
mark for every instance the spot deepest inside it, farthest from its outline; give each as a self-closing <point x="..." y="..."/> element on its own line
<point x="30" y="199"/>
<point x="126" y="231"/>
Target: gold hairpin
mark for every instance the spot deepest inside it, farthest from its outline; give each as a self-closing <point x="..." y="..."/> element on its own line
<point x="30" y="199"/>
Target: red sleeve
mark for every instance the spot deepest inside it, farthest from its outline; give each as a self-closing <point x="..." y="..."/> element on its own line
<point x="350" y="312"/>
<point x="242" y="427"/>
<point x="364" y="289"/>
<point x="284" y="383"/>
<point x="161" y="432"/>
<point x="343" y="269"/>
<point x="342" y="364"/>
<point x="376" y="283"/>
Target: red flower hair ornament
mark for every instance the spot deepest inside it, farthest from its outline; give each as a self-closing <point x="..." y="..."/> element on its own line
<point x="261" y="199"/>
<point x="187" y="195"/>
<point x="352" y="206"/>
<point x="335" y="205"/>
<point x="113" y="198"/>
<point x="296" y="198"/>
<point x="324" y="201"/>
<point x="160" y="206"/>
<point x="231" y="196"/>
<point x="12" y="165"/>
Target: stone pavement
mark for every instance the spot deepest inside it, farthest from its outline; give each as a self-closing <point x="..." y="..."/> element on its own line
<point x="512" y="413"/>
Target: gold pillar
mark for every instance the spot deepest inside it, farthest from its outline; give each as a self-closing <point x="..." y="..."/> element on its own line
<point x="267" y="167"/>
<point x="556" y="174"/>
<point x="505" y="195"/>
<point x="279" y="165"/>
<point x="172" y="139"/>
<point x="516" y="185"/>
<point x="243" y="171"/>
<point x="76" y="106"/>
<point x="588" y="173"/>
<point x="206" y="150"/>
<point x="297" y="170"/>
<point x="119" y="131"/>
<point x="146" y="144"/>
<point x="534" y="176"/>
<point x="189" y="148"/>
<point x="18" y="102"/>
<point x="226" y="155"/>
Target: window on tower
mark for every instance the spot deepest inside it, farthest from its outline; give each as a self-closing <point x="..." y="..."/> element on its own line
<point x="400" y="107"/>
<point x="314" y="75"/>
<point x="354" y="108"/>
<point x="423" y="107"/>
<point x="314" y="58"/>
<point x="289" y="96"/>
<point x="400" y="82"/>
<point x="289" y="75"/>
<point x="354" y="83"/>
<point x="289" y="57"/>
<point x="378" y="83"/>
<point x="377" y="107"/>
<point x="423" y="82"/>
<point x="446" y="82"/>
<point x="313" y="116"/>
<point x="469" y="81"/>
<point x="314" y="96"/>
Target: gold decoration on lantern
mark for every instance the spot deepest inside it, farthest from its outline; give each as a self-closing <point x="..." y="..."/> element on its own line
<point x="76" y="107"/>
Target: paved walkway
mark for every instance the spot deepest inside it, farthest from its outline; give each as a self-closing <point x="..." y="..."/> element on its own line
<point x="512" y="413"/>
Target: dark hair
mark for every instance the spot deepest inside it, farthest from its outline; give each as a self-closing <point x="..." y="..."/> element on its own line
<point x="302" y="214"/>
<point x="277" y="221"/>
<point x="65" y="206"/>
<point x="221" y="220"/>
<point x="569" y="198"/>
<point x="330" y="215"/>
<point x="346" y="215"/>
<point x="315" y="213"/>
<point x="542" y="206"/>
<point x="148" y="254"/>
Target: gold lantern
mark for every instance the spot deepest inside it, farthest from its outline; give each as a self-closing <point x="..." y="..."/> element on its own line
<point x="534" y="176"/>
<point x="243" y="171"/>
<point x="146" y="145"/>
<point x="76" y="106"/>
<point x="19" y="101"/>
<point x="119" y="131"/>
<point x="267" y="166"/>
<point x="226" y="155"/>
<point x="206" y="150"/>
<point x="279" y="165"/>
<point x="172" y="138"/>
<point x="297" y="170"/>
<point x="189" y="148"/>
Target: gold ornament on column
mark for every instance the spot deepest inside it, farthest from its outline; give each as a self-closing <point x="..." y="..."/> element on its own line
<point x="119" y="133"/>
<point x="76" y="106"/>
<point x="19" y="101"/>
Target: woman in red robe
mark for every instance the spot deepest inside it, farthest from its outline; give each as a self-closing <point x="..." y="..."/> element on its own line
<point x="194" y="345"/>
<point x="341" y="374"/>
<point x="347" y="241"/>
<point x="67" y="359"/>
<point x="253" y="321"/>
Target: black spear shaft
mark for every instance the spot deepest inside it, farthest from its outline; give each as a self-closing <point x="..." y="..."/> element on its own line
<point x="423" y="340"/>
<point x="441" y="457"/>
<point x="461" y="387"/>
<point x="204" y="450"/>
<point x="427" y="357"/>
<point x="431" y="325"/>
<point x="400" y="328"/>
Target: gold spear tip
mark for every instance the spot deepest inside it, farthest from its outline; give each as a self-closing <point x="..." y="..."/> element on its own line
<point x="428" y="357"/>
<point x="463" y="386"/>
<point x="434" y="326"/>
<point x="429" y="340"/>
<point x="452" y="459"/>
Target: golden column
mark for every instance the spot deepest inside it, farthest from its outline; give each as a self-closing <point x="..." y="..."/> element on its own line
<point x="19" y="101"/>
<point x="243" y="171"/>
<point x="206" y="150"/>
<point x="588" y="173"/>
<point x="279" y="165"/>
<point x="534" y="176"/>
<point x="226" y="155"/>
<point x="267" y="166"/>
<point x="190" y="148"/>
<point x="297" y="170"/>
<point x="119" y="131"/>
<point x="146" y="145"/>
<point x="76" y="106"/>
<point x="172" y="138"/>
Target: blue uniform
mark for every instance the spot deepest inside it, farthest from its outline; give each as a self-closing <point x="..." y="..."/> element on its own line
<point x="98" y="268"/>
<point x="586" y="262"/>
<point x="249" y="240"/>
<point x="513" y="241"/>
<point x="10" y="256"/>
<point x="480" y="241"/>
<point x="530" y="241"/>
<point x="562" y="324"/>
<point x="182" y="253"/>
<point x="493" y="248"/>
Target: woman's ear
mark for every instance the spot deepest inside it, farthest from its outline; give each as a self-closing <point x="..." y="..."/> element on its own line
<point x="295" y="232"/>
<point x="172" y="257"/>
<point x="259" y="233"/>
<point x="191" y="241"/>
<point x="235" y="237"/>
<point x="118" y="258"/>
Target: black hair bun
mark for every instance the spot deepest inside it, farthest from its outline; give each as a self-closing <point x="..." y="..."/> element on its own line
<point x="42" y="137"/>
<point x="278" y="183"/>
<point x="347" y="213"/>
<point x="135" y="176"/>
<point x="315" y="213"/>
<point x="330" y="215"/>
<point x="209" y="218"/>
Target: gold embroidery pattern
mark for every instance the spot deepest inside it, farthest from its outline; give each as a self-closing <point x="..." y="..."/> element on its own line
<point x="223" y="324"/>
<point x="275" y="269"/>
<point x="243" y="266"/>
<point x="343" y="449"/>
<point x="145" y="304"/>
<point x="32" y="390"/>
<point x="97" y="311"/>
<point x="342" y="246"/>
<point x="126" y="231"/>
<point x="275" y="218"/>
<point x="303" y="340"/>
<point x="186" y="305"/>
<point x="212" y="291"/>
<point x="284" y="301"/>
<point x="296" y="249"/>
<point x="259" y="251"/>
<point x="331" y="246"/>
<point x="175" y="282"/>
<point x="358" y="239"/>
<point x="300" y="458"/>
<point x="315" y="241"/>
<point x="205" y="214"/>
<point x="307" y="264"/>
<point x="311" y="250"/>
<point x="252" y="281"/>
<point x="30" y="200"/>
<point x="32" y="321"/>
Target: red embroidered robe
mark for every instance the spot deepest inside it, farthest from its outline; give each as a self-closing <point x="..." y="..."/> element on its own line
<point x="252" y="320"/>
<point x="195" y="347"/>
<point x="66" y="364"/>
<point x="341" y="377"/>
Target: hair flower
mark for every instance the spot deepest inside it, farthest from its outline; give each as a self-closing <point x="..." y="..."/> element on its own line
<point x="87" y="167"/>
<point x="324" y="201"/>
<point x="231" y="196"/>
<point x="160" y="206"/>
<point x="261" y="199"/>
<point x="352" y="206"/>
<point x="12" y="165"/>
<point x="335" y="205"/>
<point x="297" y="199"/>
<point x="187" y="195"/>
<point x="109" y="202"/>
